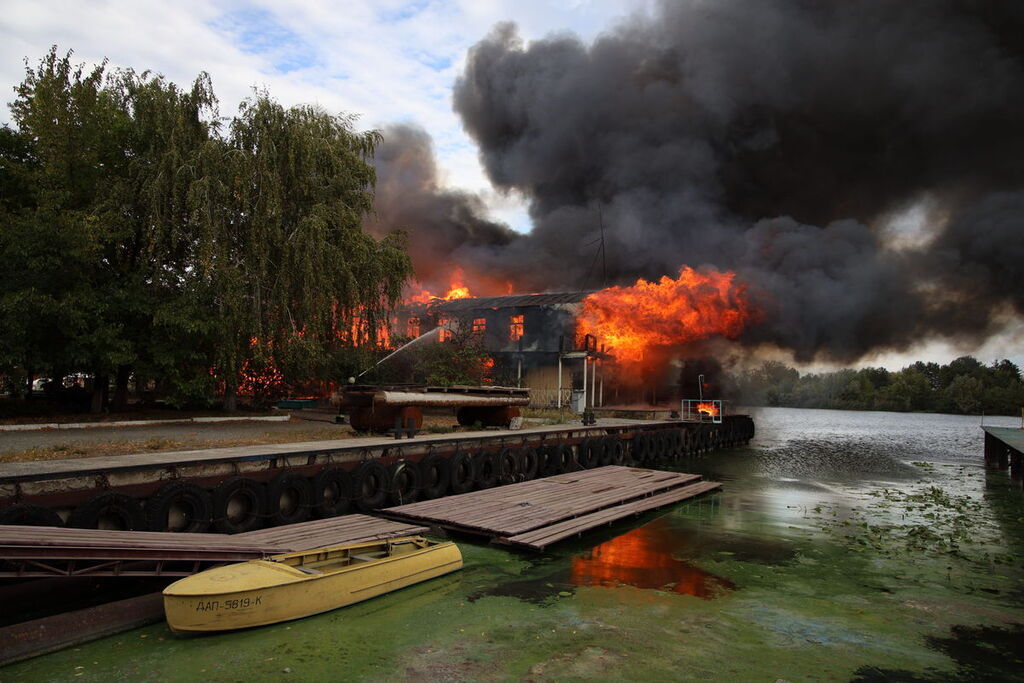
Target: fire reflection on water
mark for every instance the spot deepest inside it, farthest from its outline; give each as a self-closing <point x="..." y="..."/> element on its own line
<point x="643" y="558"/>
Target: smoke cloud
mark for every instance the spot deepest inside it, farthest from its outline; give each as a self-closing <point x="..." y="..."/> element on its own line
<point x="445" y="227"/>
<point x="778" y="138"/>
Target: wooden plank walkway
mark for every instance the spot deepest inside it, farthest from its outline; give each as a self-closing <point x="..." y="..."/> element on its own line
<point x="538" y="539"/>
<point x="330" y="531"/>
<point x="12" y="472"/>
<point x="538" y="513"/>
<point x="54" y="551"/>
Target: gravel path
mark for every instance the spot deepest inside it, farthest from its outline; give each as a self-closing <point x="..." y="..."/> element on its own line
<point x="17" y="441"/>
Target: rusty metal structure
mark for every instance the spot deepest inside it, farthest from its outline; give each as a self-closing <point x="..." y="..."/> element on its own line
<point x="399" y="407"/>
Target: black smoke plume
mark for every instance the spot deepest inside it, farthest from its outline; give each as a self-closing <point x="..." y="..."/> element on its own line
<point x="445" y="227"/>
<point x="777" y="138"/>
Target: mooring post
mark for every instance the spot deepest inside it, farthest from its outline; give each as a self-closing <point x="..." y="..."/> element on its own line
<point x="990" y="450"/>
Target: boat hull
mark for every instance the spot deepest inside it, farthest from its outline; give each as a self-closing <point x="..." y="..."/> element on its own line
<point x="240" y="606"/>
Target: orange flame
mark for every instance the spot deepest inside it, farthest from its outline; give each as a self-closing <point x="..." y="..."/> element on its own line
<point x="632" y="321"/>
<point x="708" y="409"/>
<point x="457" y="289"/>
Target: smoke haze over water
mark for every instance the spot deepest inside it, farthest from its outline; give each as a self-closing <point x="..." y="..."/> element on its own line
<point x="774" y="138"/>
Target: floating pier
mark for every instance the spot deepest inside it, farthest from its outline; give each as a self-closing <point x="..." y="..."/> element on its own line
<point x="27" y="551"/>
<point x="1004" y="449"/>
<point x="60" y="552"/>
<point x="237" y="490"/>
<point x="535" y="514"/>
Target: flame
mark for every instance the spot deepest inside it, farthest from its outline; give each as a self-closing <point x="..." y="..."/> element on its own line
<point x="461" y="285"/>
<point x="457" y="289"/>
<point x="515" y="327"/>
<point x="707" y="408"/>
<point x="632" y="321"/>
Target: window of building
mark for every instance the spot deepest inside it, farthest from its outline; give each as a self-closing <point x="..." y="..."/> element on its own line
<point x="444" y="322"/>
<point x="479" y="325"/>
<point x="412" y="328"/>
<point x="515" y="327"/>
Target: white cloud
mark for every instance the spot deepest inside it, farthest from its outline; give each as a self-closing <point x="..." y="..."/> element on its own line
<point x="385" y="60"/>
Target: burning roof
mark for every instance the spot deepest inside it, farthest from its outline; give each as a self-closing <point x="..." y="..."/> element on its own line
<point x="513" y="301"/>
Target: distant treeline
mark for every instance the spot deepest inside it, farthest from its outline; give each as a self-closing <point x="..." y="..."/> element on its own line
<point x="965" y="386"/>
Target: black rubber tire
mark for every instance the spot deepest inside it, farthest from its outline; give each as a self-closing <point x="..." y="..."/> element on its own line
<point x="462" y="472"/>
<point x="27" y="514"/>
<point x="254" y="496"/>
<point x="641" y="448"/>
<point x="687" y="441"/>
<point x="589" y="453"/>
<point x="508" y="466"/>
<point x="654" y="446"/>
<point x="665" y="444"/>
<point x="488" y="469"/>
<point x="435" y="475"/>
<point x="546" y="461"/>
<point x="702" y="440"/>
<point x="404" y="482"/>
<point x="565" y="458"/>
<point x="192" y="503"/>
<point x="109" y="511"/>
<point x="582" y="457"/>
<point x="289" y="499"/>
<point x="615" y="451"/>
<point x="607" y="443"/>
<point x="332" y="492"/>
<point x="529" y="463"/>
<point x="678" y="443"/>
<point x="370" y="485"/>
<point x="670" y="445"/>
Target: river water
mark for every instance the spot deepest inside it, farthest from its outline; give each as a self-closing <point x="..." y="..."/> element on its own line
<point x="843" y="546"/>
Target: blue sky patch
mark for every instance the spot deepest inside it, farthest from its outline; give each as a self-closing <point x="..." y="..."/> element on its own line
<point x="403" y="13"/>
<point x="256" y="31"/>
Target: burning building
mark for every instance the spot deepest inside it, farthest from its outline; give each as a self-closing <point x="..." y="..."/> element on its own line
<point x="611" y="344"/>
<point x="534" y="340"/>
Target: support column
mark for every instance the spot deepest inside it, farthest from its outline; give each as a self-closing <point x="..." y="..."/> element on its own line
<point x="593" y="385"/>
<point x="584" y="382"/>
<point x="559" y="381"/>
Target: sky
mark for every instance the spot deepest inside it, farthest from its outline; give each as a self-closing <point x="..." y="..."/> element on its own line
<point x="388" y="61"/>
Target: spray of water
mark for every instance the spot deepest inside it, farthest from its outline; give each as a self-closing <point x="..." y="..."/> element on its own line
<point x="426" y="335"/>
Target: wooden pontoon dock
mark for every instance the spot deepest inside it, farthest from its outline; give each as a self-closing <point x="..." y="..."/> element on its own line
<point x="27" y="551"/>
<point x="1004" y="449"/>
<point x="535" y="514"/>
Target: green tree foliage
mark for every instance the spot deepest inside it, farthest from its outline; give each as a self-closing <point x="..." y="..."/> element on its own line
<point x="140" y="237"/>
<point x="280" y="206"/>
<point x="965" y="385"/>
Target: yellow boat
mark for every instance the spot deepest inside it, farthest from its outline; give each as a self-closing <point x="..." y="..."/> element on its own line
<point x="296" y="585"/>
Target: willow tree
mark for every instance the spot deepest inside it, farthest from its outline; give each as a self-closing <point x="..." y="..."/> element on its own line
<point x="153" y="242"/>
<point x="102" y="243"/>
<point x="280" y="204"/>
